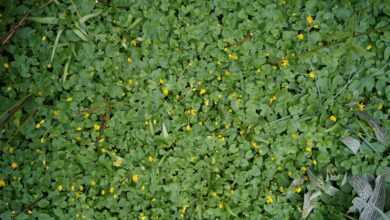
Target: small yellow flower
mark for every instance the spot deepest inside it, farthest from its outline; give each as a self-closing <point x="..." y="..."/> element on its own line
<point x="49" y="66"/>
<point x="14" y="165"/>
<point x="221" y="205"/>
<point x="56" y="113"/>
<point x="135" y="178"/>
<point x="133" y="42"/>
<point x="206" y="102"/>
<point x="165" y="91"/>
<point x="130" y="82"/>
<point x="269" y="199"/>
<point x="314" y="162"/>
<point x="112" y="190"/>
<point x="303" y="169"/>
<point x="360" y="106"/>
<point x="214" y="194"/>
<point x="79" y="129"/>
<point x="297" y="189"/>
<point x="233" y="56"/>
<point x="39" y="124"/>
<point x="96" y="127"/>
<point x="333" y="118"/>
<point x="193" y="112"/>
<point x="2" y="183"/>
<point x="151" y="159"/>
<point x="312" y="75"/>
<point x="308" y="149"/>
<point x="309" y="20"/>
<point x="369" y="47"/>
<point x="60" y="188"/>
<point x="272" y="99"/>
<point x="129" y="60"/>
<point x="295" y="136"/>
<point x="162" y="81"/>
<point x="44" y="38"/>
<point x="6" y="66"/>
<point x="103" y="192"/>
<point x="202" y="91"/>
<point x="188" y="127"/>
<point x="254" y="145"/>
<point x="69" y="99"/>
<point x="118" y="162"/>
<point x="300" y="37"/>
<point x="284" y="62"/>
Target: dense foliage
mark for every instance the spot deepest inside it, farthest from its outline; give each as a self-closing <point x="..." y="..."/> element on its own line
<point x="190" y="109"/>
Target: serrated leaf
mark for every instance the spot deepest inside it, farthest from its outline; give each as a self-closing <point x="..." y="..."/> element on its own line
<point x="380" y="132"/>
<point x="309" y="203"/>
<point x="352" y="143"/>
<point x="361" y="186"/>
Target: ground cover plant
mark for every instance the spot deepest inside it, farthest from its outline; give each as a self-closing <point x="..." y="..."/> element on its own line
<point x="191" y="109"/>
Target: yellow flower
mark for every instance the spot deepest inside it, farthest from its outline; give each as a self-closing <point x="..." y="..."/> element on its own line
<point x="312" y="75"/>
<point x="303" y="169"/>
<point x="96" y="127"/>
<point x="79" y="129"/>
<point x="14" y="165"/>
<point x="269" y="199"/>
<point x="69" y="99"/>
<point x="118" y="162"/>
<point x="165" y="91"/>
<point x="221" y="205"/>
<point x="112" y="190"/>
<point x="295" y="136"/>
<point x="314" y="162"/>
<point x="297" y="189"/>
<point x="369" y="46"/>
<point x="129" y="60"/>
<point x="308" y="149"/>
<point x="103" y="192"/>
<point x="284" y="62"/>
<point x="360" y="106"/>
<point x="233" y="56"/>
<point x="193" y="112"/>
<point x="44" y="38"/>
<point x="135" y="178"/>
<point x="202" y="91"/>
<point x="60" y="188"/>
<point x="214" y="194"/>
<point x="309" y="20"/>
<point x="133" y="42"/>
<point x="130" y="82"/>
<point x="6" y="66"/>
<point x="162" y="81"/>
<point x="2" y="183"/>
<point x="272" y="99"/>
<point x="300" y="37"/>
<point x="151" y="159"/>
<point x="39" y="124"/>
<point x="333" y="118"/>
<point x="188" y="127"/>
<point x="92" y="183"/>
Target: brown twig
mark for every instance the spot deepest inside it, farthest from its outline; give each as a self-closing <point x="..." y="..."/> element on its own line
<point x="12" y="31"/>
